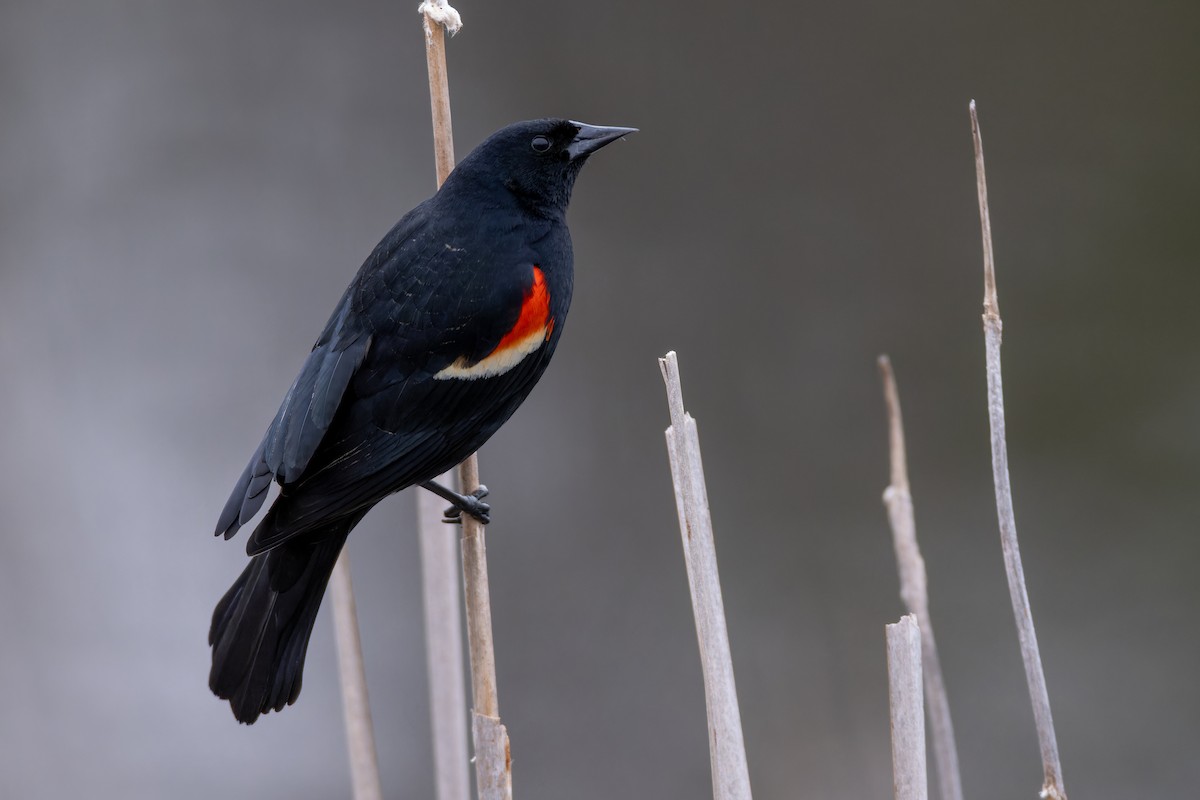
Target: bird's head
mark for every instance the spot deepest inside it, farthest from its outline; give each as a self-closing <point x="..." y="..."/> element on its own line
<point x="536" y="160"/>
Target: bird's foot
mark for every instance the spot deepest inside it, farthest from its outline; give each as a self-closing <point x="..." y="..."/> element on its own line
<point x="470" y="504"/>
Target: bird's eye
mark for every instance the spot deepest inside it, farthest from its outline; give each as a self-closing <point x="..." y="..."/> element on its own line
<point x="540" y="144"/>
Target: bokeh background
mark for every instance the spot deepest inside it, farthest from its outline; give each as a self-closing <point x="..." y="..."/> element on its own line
<point x="186" y="188"/>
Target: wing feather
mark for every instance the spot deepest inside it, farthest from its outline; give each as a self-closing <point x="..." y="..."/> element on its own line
<point x="359" y="469"/>
<point x="303" y="418"/>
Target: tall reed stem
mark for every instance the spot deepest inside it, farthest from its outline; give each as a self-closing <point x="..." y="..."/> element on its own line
<point x="1052" y="786"/>
<point x="493" y="762"/>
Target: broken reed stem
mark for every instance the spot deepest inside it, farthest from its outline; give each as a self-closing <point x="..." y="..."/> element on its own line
<point x="443" y="649"/>
<point x="360" y="736"/>
<point x="493" y="764"/>
<point x="904" y="701"/>
<point x="897" y="498"/>
<point x="727" y="750"/>
<point x="1052" y="787"/>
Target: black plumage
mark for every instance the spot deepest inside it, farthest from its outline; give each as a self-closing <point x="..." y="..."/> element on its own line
<point x="433" y="346"/>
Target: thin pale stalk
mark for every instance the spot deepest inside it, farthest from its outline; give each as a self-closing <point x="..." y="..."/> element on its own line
<point x="493" y="757"/>
<point x="1052" y="786"/>
<point x="904" y="701"/>
<point x="360" y="736"/>
<point x="897" y="498"/>
<point x="727" y="749"/>
<point x="479" y="608"/>
<point x="444" y="653"/>
<point x="493" y="763"/>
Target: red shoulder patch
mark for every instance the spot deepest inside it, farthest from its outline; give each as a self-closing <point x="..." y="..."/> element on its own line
<point x="535" y="315"/>
<point x="532" y="328"/>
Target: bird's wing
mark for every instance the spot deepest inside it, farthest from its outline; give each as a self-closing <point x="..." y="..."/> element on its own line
<point x="434" y="425"/>
<point x="422" y="304"/>
<point x="303" y="418"/>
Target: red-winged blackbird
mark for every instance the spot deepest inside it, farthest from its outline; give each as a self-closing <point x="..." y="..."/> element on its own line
<point x="441" y="335"/>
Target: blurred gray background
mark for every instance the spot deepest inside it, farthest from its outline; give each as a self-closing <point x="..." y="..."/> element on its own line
<point x="186" y="188"/>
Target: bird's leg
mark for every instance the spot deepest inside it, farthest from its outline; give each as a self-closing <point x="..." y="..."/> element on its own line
<point x="469" y="503"/>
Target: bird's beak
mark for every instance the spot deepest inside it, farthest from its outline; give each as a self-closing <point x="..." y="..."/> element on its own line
<point x="591" y="138"/>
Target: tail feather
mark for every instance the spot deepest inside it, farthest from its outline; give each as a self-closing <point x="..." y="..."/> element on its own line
<point x="260" y="628"/>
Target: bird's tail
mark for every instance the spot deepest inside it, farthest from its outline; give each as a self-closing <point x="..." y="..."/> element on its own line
<point x="260" y="629"/>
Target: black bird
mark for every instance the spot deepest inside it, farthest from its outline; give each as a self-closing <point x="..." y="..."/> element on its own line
<point x="436" y="342"/>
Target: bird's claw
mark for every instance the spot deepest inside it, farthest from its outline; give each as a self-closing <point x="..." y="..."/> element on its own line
<point x="473" y="504"/>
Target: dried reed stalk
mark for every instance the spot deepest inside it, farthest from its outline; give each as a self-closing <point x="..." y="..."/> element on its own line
<point x="904" y="701"/>
<point x="727" y="750"/>
<point x="1052" y="786"/>
<point x="360" y="735"/>
<point x="443" y="648"/>
<point x="493" y="762"/>
<point x="897" y="498"/>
